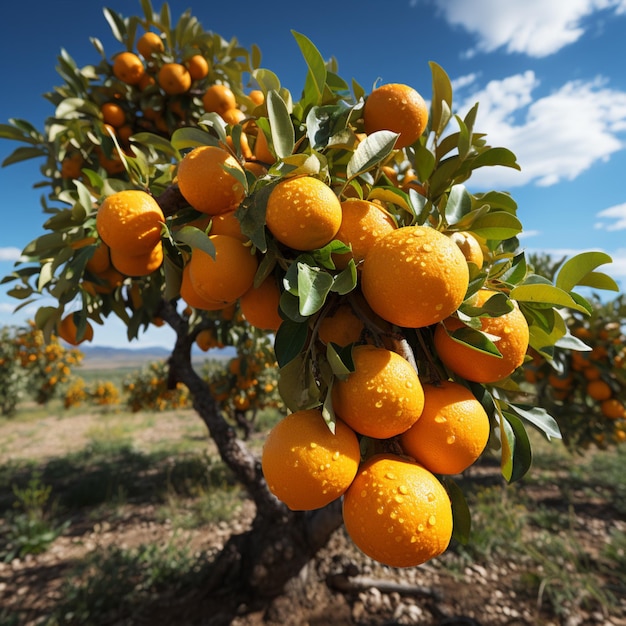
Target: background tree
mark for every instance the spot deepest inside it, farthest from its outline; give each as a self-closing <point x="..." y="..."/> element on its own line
<point x="186" y="185"/>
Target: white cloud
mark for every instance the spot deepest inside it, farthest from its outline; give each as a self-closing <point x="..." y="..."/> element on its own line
<point x="617" y="215"/>
<point x="533" y="27"/>
<point x="10" y="254"/>
<point x="546" y="133"/>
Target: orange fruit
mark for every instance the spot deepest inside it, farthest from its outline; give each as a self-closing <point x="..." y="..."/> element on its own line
<point x="259" y="305"/>
<point x="306" y="466"/>
<point x="509" y="333"/>
<point x="244" y="146"/>
<point x="563" y="382"/>
<point x="100" y="260"/>
<point x="257" y="96"/>
<point x="255" y="168"/>
<point x="146" y="81"/>
<point x="452" y="431"/>
<point x="303" y="213"/>
<point x="233" y="116"/>
<point x="383" y="397"/>
<point x="398" y="108"/>
<point x="599" y="390"/>
<point x="362" y="224"/>
<point x="228" y="276"/>
<point x="218" y="99"/>
<point x="469" y="246"/>
<point x="414" y="276"/>
<point x="137" y="265"/>
<point x="613" y="408"/>
<point x="204" y="182"/>
<point x="227" y="224"/>
<point x="130" y="220"/>
<point x="193" y="298"/>
<point x="174" y="78"/>
<point x="262" y="150"/>
<point x="397" y="512"/>
<point x="149" y="44"/>
<point x="197" y="66"/>
<point x="113" y="114"/>
<point x="128" y="68"/>
<point x="71" y="165"/>
<point x="205" y="339"/>
<point x="342" y="326"/>
<point x="592" y="372"/>
<point x="67" y="330"/>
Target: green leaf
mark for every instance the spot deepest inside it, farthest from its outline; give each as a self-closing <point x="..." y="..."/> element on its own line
<point x="316" y="79"/>
<point x="346" y="280"/>
<point x="539" y="418"/>
<point x="459" y="204"/>
<point x="157" y="142"/>
<point x="189" y="137"/>
<point x="335" y="355"/>
<point x="497" y="225"/>
<point x="23" y="153"/>
<point x="476" y="340"/>
<point x="496" y="156"/>
<point x="462" y="519"/>
<point x="118" y="28"/>
<point x="297" y="385"/>
<point x="545" y="294"/>
<point x="251" y="215"/>
<point x="283" y="137"/>
<point x="521" y="458"/>
<point x="267" y="80"/>
<point x="598" y="280"/>
<point x="371" y="151"/>
<point x="578" y="267"/>
<point x="195" y="238"/>
<point x="314" y="285"/>
<point x="290" y="340"/>
<point x="441" y="103"/>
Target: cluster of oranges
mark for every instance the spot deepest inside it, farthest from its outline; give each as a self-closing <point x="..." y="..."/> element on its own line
<point x="589" y="389"/>
<point x="406" y="276"/>
<point x="147" y="390"/>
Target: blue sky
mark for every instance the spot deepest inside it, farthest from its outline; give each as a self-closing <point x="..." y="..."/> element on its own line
<point x="549" y="77"/>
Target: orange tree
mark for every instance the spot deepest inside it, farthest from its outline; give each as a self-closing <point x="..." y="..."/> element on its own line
<point x="32" y="367"/>
<point x="202" y="186"/>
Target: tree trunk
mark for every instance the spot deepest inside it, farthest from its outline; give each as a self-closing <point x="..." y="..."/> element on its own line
<point x="253" y="567"/>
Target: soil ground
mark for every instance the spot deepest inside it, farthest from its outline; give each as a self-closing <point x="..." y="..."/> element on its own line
<point x="341" y="587"/>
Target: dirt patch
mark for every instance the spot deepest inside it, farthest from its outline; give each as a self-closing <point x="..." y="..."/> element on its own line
<point x="340" y="587"/>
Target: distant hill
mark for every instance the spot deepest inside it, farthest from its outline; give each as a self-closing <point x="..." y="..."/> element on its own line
<point x="104" y="357"/>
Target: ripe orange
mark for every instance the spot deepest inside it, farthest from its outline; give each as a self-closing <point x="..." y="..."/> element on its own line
<point x="228" y="276"/>
<point x="259" y="305"/>
<point x="174" y="78"/>
<point x="362" y="224"/>
<point x="130" y="220"/>
<point x="71" y="165"/>
<point x="303" y="213"/>
<point x="613" y="409"/>
<point x="469" y="246"/>
<point x="113" y="114"/>
<point x="149" y="44"/>
<point x="227" y="224"/>
<point x="100" y="260"/>
<point x="197" y="66"/>
<point x="193" y="298"/>
<point x="257" y="96"/>
<point x="128" y="68"/>
<point x="383" y="397"/>
<point x="342" y="326"/>
<point x="511" y="338"/>
<point x="452" y="431"/>
<point x="599" y="390"/>
<point x="218" y="99"/>
<point x="204" y="182"/>
<point x="398" y="108"/>
<point x="205" y="339"/>
<point x="397" y="512"/>
<point x="414" y="277"/>
<point x="262" y="150"/>
<point x="305" y="465"/>
<point x="137" y="265"/>
<point x="233" y="116"/>
<point x="67" y="330"/>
